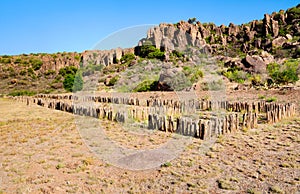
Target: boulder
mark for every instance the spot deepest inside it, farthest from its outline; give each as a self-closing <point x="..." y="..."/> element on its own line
<point x="172" y="79"/>
<point x="278" y="42"/>
<point x="267" y="57"/>
<point x="289" y="37"/>
<point x="233" y="63"/>
<point x="233" y="29"/>
<point x="254" y="64"/>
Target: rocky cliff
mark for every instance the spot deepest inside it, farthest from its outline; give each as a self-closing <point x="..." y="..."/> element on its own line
<point x="275" y="30"/>
<point x="248" y="47"/>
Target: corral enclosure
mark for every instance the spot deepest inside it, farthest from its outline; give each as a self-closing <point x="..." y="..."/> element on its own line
<point x="199" y="118"/>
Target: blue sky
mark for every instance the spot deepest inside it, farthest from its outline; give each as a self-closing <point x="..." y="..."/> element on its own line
<point x="31" y="26"/>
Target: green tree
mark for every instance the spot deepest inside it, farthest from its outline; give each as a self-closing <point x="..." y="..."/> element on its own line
<point x="78" y="82"/>
<point x="68" y="82"/>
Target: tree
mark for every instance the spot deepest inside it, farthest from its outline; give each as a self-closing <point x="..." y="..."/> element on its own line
<point x="192" y="20"/>
<point x="68" y="82"/>
<point x="78" y="82"/>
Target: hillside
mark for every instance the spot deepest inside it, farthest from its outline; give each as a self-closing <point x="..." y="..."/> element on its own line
<point x="261" y="53"/>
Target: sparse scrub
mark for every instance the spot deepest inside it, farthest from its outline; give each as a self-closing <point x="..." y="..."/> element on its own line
<point x="147" y="85"/>
<point x="167" y="164"/>
<point x="22" y="93"/>
<point x="36" y="64"/>
<point x="271" y="99"/>
<point x="113" y="80"/>
<point x="236" y="75"/>
<point x="285" y="73"/>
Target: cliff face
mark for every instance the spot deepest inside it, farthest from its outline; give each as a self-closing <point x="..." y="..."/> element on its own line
<point x="274" y="30"/>
<point x="104" y="57"/>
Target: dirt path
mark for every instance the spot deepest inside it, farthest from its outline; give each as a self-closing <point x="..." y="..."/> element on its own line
<point x="41" y="151"/>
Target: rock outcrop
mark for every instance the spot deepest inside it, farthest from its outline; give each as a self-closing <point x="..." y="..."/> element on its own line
<point x="261" y="34"/>
<point x="104" y="57"/>
<point x="170" y="37"/>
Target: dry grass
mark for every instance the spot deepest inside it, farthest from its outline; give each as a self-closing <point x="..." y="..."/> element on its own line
<point x="42" y="152"/>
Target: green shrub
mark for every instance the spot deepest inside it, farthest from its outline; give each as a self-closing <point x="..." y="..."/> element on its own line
<point x="271" y="99"/>
<point x="147" y="85"/>
<point x="151" y="52"/>
<point x="256" y="80"/>
<point x="127" y="57"/>
<point x="18" y="60"/>
<point x="37" y="64"/>
<point x="167" y="164"/>
<point x="77" y="57"/>
<point x="146" y="49"/>
<point x="22" y="93"/>
<point x="196" y="75"/>
<point x="286" y="73"/>
<point x="98" y="67"/>
<point x="23" y="72"/>
<point x="68" y="70"/>
<point x="236" y="75"/>
<point x="187" y="70"/>
<point x="177" y="53"/>
<point x="30" y="71"/>
<point x="113" y="80"/>
<point x="157" y="55"/>
<point x="50" y="72"/>
<point x="293" y="13"/>
<point x="192" y="20"/>
<point x="5" y="60"/>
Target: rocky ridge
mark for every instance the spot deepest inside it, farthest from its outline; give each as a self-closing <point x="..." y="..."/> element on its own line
<point x="249" y="47"/>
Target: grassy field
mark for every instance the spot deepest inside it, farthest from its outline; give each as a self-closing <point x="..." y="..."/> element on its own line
<point x="41" y="151"/>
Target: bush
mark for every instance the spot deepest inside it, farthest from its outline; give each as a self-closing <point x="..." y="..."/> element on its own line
<point x="157" y="55"/>
<point x="68" y="70"/>
<point x="283" y="74"/>
<point x="192" y="20"/>
<point x="22" y="93"/>
<point x="36" y="64"/>
<point x="271" y="99"/>
<point x="256" y="80"/>
<point x="293" y="13"/>
<point x="127" y="58"/>
<point x="30" y="71"/>
<point x="23" y="72"/>
<point x="77" y="57"/>
<point x="50" y="72"/>
<point x="145" y="86"/>
<point x="113" y="80"/>
<point x="18" y="60"/>
<point x="5" y="60"/>
<point x="196" y="75"/>
<point x="236" y="75"/>
<point x="150" y="51"/>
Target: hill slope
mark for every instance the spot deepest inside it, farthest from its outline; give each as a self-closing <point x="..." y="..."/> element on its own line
<point x="242" y="52"/>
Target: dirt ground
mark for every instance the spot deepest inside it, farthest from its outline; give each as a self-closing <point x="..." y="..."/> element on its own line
<point x="42" y="151"/>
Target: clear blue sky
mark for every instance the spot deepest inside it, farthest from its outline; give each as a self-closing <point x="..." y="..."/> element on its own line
<point x="31" y="26"/>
